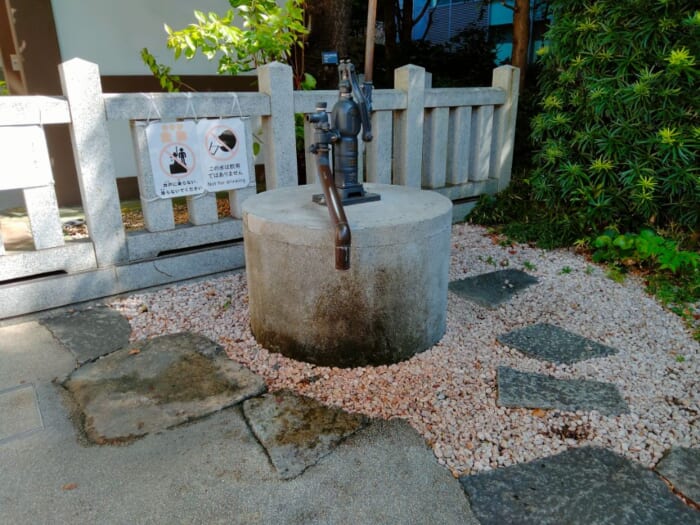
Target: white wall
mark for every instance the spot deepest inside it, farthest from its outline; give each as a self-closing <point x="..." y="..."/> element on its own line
<point x="112" y="33"/>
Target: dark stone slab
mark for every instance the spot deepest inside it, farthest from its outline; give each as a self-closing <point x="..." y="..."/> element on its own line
<point x="585" y="486"/>
<point x="551" y="343"/>
<point x="91" y="333"/>
<point x="681" y="467"/>
<point x="152" y="385"/>
<point x="528" y="390"/>
<point x="493" y="288"/>
<point x="297" y="431"/>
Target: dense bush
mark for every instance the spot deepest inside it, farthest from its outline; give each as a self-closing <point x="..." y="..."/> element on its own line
<point x="616" y="142"/>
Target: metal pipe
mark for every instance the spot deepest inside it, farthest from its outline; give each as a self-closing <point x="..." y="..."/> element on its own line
<point x="335" y="210"/>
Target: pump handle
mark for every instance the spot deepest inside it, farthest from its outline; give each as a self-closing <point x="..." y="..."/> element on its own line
<point x="362" y="103"/>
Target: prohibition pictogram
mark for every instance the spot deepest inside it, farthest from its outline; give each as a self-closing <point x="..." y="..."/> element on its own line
<point x="177" y="160"/>
<point x="221" y="143"/>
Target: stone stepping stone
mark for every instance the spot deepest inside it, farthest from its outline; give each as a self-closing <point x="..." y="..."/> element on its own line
<point x="19" y="413"/>
<point x="297" y="431"/>
<point x="550" y="343"/>
<point x="91" y="333"/>
<point x="528" y="390"/>
<point x="152" y="385"/>
<point x="681" y="467"/>
<point x="584" y="486"/>
<point x="493" y="288"/>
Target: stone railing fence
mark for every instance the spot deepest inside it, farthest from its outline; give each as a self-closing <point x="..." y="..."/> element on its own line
<point x="456" y="141"/>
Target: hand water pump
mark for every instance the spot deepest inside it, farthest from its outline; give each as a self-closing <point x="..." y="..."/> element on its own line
<point x="340" y="128"/>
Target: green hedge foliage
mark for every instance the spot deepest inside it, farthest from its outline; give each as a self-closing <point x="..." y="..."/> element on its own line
<point x="616" y="141"/>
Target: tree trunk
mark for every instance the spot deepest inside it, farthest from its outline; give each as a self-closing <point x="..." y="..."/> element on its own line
<point x="389" y="19"/>
<point x="330" y="31"/>
<point x="407" y="21"/>
<point x="521" y="37"/>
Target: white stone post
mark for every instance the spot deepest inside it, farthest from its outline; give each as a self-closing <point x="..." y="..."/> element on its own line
<point x="435" y="141"/>
<point x="458" y="145"/>
<point x="157" y="213"/>
<point x="275" y="79"/>
<point x="508" y="79"/>
<point x="44" y="218"/>
<point x="237" y="197"/>
<point x="482" y="143"/>
<point x="408" y="128"/>
<point x="379" y="154"/>
<point x="93" y="158"/>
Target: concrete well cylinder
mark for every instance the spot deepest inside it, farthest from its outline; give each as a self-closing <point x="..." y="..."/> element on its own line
<point x="388" y="306"/>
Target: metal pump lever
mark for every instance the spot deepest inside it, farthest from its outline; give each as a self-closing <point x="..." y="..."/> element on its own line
<point x="363" y="97"/>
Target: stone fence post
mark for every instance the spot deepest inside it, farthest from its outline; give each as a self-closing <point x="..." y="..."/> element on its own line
<point x="278" y="134"/>
<point x="508" y="79"/>
<point x="93" y="156"/>
<point x="408" y="126"/>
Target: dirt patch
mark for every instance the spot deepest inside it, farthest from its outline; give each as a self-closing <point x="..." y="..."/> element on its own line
<point x="304" y="425"/>
<point x="133" y="218"/>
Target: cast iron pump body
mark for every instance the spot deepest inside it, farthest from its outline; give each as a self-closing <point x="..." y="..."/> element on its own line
<point x="349" y="115"/>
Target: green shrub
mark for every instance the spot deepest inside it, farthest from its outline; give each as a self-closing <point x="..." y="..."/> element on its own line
<point x="617" y="137"/>
<point x="672" y="274"/>
<point x="646" y="249"/>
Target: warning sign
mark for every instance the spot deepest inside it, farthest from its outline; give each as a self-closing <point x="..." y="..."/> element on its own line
<point x="174" y="160"/>
<point x="224" y="164"/>
<point x="26" y="159"/>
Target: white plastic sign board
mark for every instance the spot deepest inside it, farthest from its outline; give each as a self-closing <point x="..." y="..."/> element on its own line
<point x="173" y="150"/>
<point x="224" y="162"/>
<point x="26" y="159"/>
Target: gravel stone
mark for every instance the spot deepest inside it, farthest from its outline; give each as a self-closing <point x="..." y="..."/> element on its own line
<point x="663" y="393"/>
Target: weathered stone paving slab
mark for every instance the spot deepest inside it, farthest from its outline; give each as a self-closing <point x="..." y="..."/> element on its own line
<point x="156" y="384"/>
<point x="585" y="486"/>
<point x="528" y="390"/>
<point x="681" y="467"/>
<point x="19" y="412"/>
<point x="493" y="288"/>
<point x="90" y="333"/>
<point x="297" y="431"/>
<point x="551" y="343"/>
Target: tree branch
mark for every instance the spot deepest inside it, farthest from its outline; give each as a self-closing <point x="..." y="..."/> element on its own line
<point x="423" y="10"/>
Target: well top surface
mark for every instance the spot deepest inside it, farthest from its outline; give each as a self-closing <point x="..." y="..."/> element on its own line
<point x="290" y="215"/>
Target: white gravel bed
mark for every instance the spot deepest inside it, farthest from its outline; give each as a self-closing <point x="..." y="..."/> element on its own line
<point x="448" y="393"/>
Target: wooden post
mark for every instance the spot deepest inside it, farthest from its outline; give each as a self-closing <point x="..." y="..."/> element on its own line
<point x="369" y="42"/>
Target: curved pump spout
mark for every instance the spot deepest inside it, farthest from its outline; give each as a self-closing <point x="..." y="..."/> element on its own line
<point x="323" y="137"/>
<point x="336" y="212"/>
